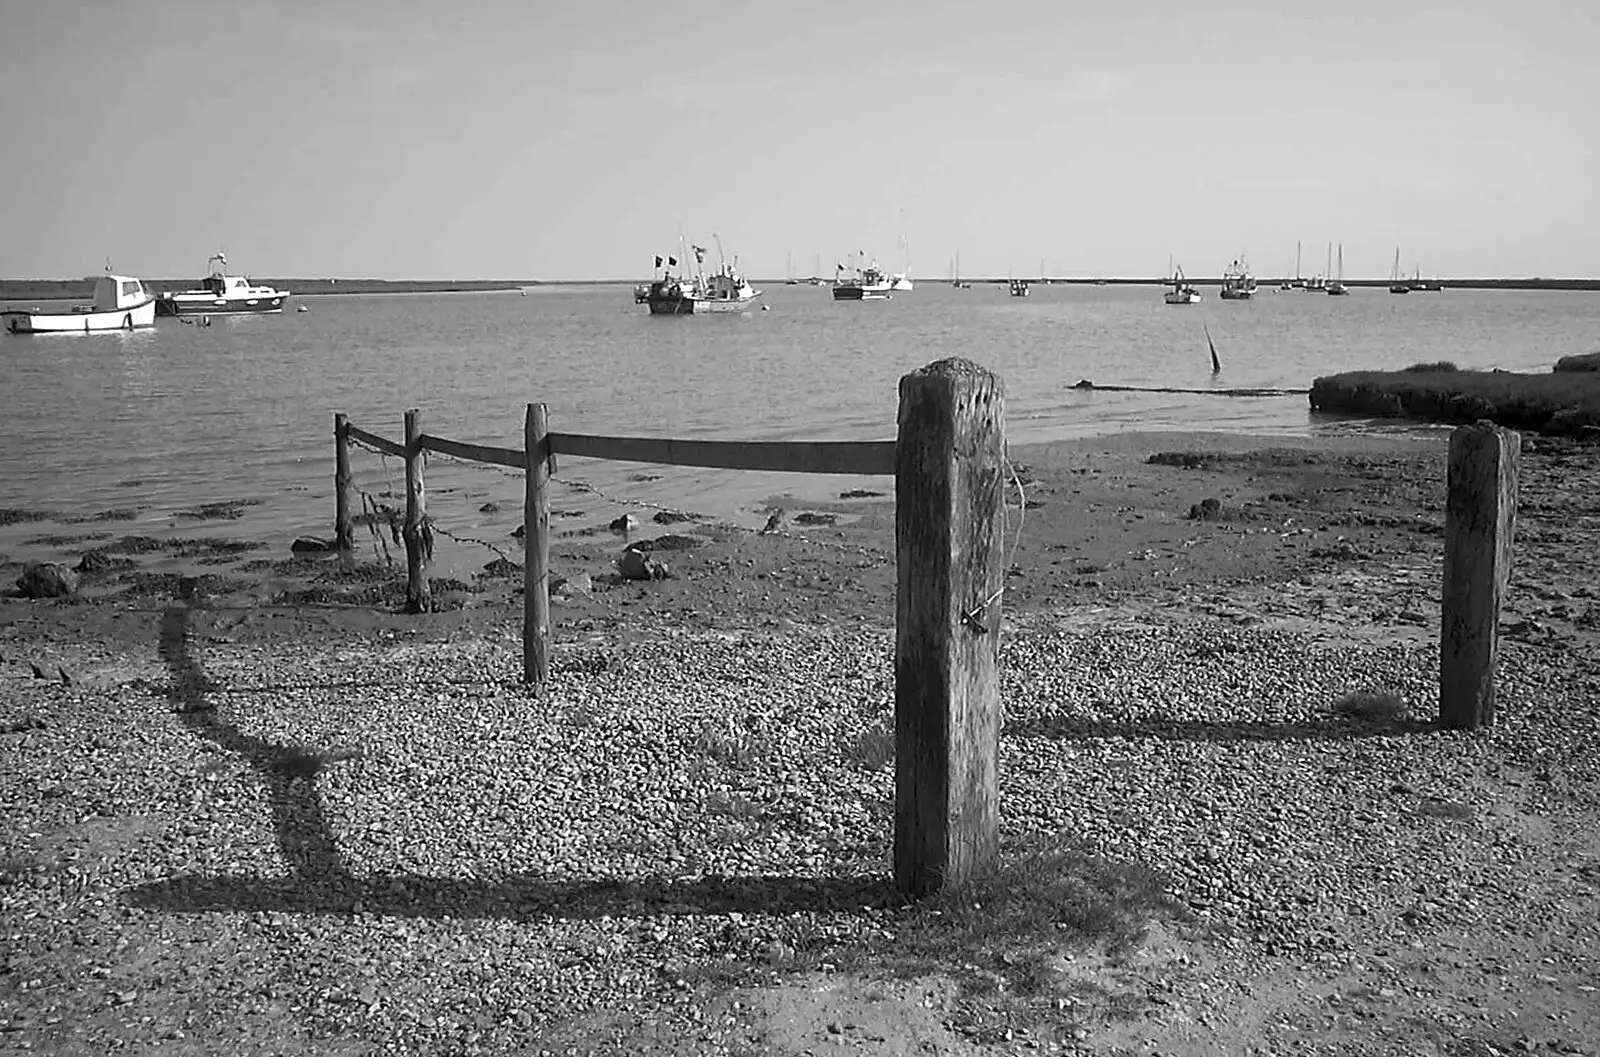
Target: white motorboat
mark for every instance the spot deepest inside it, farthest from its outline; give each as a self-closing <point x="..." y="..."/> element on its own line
<point x="121" y="302"/>
<point x="221" y="294"/>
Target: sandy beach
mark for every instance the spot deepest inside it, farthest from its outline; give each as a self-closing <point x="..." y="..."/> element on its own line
<point x="255" y="809"/>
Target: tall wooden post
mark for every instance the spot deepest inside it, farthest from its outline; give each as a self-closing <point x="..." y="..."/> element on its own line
<point x="415" y="532"/>
<point x="1479" y="524"/>
<point x="536" y="535"/>
<point x="949" y="496"/>
<point x="344" y="531"/>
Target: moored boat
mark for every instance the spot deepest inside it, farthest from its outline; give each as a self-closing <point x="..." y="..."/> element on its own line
<point x="724" y="290"/>
<point x="1182" y="292"/>
<point x="221" y="294"/>
<point x="1237" y="282"/>
<point x="868" y="284"/>
<point x="121" y="302"/>
<point x="1019" y="288"/>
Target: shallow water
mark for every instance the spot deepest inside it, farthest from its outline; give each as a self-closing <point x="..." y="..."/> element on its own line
<point x="161" y="422"/>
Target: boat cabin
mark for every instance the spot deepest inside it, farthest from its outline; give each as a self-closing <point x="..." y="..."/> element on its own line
<point x="113" y="292"/>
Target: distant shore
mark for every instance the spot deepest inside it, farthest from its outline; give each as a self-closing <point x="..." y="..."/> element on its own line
<point x="62" y="289"/>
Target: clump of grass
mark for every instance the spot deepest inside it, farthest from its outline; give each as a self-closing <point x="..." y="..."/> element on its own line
<point x="1437" y="367"/>
<point x="1554" y="403"/>
<point x="1370" y="706"/>
<point x="1444" y="809"/>
<point x="1589" y="361"/>
<point x="873" y="748"/>
<point x="1006" y="930"/>
<point x="725" y="739"/>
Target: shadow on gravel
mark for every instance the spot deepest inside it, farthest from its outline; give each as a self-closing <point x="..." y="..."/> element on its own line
<point x="320" y="884"/>
<point x="304" y="837"/>
<point x="1333" y="728"/>
<point x="514" y="898"/>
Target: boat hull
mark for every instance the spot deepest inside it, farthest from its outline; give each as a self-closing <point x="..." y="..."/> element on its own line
<point x="206" y="305"/>
<point x="1237" y="295"/>
<point x="858" y="292"/>
<point x="1189" y="298"/>
<point x="694" y="306"/>
<point x="129" y="318"/>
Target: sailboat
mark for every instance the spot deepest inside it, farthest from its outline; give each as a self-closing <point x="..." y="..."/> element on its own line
<point x="956" y="279"/>
<point x="1286" y="284"/>
<point x="1319" y="282"/>
<point x="1397" y="285"/>
<point x="902" y="280"/>
<point x="1336" y="287"/>
<point x="789" y="273"/>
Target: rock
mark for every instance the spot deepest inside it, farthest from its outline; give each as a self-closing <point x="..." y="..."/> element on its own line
<point x="502" y="568"/>
<point x="673" y="517"/>
<point x="489" y="508"/>
<point x="47" y="580"/>
<point x="93" y="562"/>
<point x="312" y="545"/>
<point x="1206" y="510"/>
<point x="774" y="523"/>
<point x="624" y="524"/>
<point x="806" y="517"/>
<point x="568" y="586"/>
<point x="635" y="564"/>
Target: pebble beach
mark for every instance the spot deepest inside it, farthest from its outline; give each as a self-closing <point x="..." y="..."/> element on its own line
<point x="1230" y="823"/>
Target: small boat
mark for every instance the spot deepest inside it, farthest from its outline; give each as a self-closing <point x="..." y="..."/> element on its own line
<point x="1237" y="282"/>
<point x="220" y="293"/>
<point x="955" y="274"/>
<point x="1397" y="285"/>
<point x="1336" y="287"/>
<point x="1019" y="288"/>
<point x="901" y="281"/>
<point x="868" y="284"/>
<point x="1182" y="293"/>
<point x="724" y="290"/>
<point x="121" y="302"/>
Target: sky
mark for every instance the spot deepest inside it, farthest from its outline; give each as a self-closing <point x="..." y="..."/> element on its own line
<point x="406" y="139"/>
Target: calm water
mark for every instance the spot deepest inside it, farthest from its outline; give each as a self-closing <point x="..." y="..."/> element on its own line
<point x="162" y="421"/>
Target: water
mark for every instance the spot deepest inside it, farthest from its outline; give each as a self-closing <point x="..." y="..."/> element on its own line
<point x="163" y="421"/>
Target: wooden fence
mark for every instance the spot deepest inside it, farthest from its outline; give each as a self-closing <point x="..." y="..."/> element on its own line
<point x="948" y="460"/>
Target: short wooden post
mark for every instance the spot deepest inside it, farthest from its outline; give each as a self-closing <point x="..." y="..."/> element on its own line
<point x="415" y="531"/>
<point x="536" y="535"/>
<point x="344" y="531"/>
<point x="1479" y="524"/>
<point x="949" y="495"/>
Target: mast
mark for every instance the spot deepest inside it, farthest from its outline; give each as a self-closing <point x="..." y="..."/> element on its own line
<point x="1330" y="260"/>
<point x="1297" y="261"/>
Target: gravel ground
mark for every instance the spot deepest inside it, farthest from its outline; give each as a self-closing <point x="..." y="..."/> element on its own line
<point x="388" y="847"/>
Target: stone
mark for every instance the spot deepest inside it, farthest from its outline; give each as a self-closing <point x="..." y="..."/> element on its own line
<point x="635" y="564"/>
<point x="312" y="545"/>
<point x="47" y="580"/>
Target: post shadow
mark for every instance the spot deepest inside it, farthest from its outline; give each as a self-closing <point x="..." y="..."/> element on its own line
<point x="321" y="883"/>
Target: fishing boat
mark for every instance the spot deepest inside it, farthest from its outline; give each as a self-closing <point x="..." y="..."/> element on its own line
<point x="1182" y="292"/>
<point x="1397" y="285"/>
<point x="866" y="284"/>
<point x="1019" y="288"/>
<point x="120" y="302"/>
<point x="1336" y="287"/>
<point x="723" y="290"/>
<point x="1237" y="282"/>
<point x="220" y="293"/>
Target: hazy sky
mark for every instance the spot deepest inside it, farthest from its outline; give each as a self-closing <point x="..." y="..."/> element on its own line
<point x="539" y="139"/>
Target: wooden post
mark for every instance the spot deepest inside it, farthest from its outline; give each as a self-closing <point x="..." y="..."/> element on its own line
<point x="415" y="531"/>
<point x="949" y="495"/>
<point x="536" y="535"/>
<point x="344" y="531"/>
<point x="1479" y="523"/>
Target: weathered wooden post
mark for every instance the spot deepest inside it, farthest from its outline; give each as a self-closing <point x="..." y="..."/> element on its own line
<point x="536" y="536"/>
<point x="949" y="494"/>
<point x="344" y="531"/>
<point x="415" y="531"/>
<point x="1479" y="523"/>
